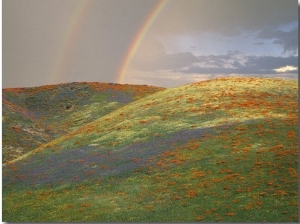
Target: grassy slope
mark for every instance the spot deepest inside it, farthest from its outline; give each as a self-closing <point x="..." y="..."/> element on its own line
<point x="34" y="116"/>
<point x="221" y="150"/>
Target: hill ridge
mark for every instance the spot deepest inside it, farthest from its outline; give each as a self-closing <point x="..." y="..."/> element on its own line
<point x="53" y="110"/>
<point x="218" y="150"/>
<point x="136" y="104"/>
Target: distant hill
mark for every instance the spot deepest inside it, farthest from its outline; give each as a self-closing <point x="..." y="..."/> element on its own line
<point x="36" y="115"/>
<point x="218" y="150"/>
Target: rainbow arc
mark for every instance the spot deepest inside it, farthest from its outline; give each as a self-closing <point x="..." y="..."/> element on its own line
<point x="71" y="34"/>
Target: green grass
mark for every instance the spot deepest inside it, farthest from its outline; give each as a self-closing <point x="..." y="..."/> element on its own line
<point x="198" y="105"/>
<point x="36" y="115"/>
<point x="254" y="184"/>
<point x="243" y="170"/>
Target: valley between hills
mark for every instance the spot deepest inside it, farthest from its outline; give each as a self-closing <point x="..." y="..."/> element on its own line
<point x="221" y="150"/>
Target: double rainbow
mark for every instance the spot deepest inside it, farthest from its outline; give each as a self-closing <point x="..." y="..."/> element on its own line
<point x="71" y="34"/>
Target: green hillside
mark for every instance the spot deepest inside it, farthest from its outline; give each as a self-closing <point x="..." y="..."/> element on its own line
<point x="219" y="150"/>
<point x="36" y="115"/>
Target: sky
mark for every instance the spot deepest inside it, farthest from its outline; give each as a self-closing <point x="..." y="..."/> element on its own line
<point x="164" y="43"/>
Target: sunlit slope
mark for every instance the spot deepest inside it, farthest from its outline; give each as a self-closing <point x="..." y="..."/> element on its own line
<point x="35" y="115"/>
<point x="203" y="104"/>
<point x="220" y="150"/>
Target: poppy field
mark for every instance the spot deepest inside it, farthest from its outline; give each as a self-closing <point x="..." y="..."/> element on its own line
<point x="222" y="150"/>
<point x="36" y="115"/>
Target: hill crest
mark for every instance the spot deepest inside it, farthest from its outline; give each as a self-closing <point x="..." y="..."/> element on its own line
<point x="220" y="150"/>
<point x="33" y="116"/>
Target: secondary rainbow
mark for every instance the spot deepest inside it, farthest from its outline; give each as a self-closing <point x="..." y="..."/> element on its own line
<point x="138" y="39"/>
<point x="70" y="36"/>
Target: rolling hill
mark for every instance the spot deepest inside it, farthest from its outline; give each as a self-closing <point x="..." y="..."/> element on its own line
<point x="36" y="115"/>
<point x="218" y="150"/>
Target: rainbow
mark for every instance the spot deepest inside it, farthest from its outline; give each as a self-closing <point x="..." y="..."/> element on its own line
<point x="69" y="39"/>
<point x="71" y="34"/>
<point x="138" y="39"/>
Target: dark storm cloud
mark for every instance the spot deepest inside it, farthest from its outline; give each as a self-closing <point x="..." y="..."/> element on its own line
<point x="259" y="43"/>
<point x="230" y="17"/>
<point x="253" y="65"/>
<point x="270" y="63"/>
<point x="288" y="40"/>
<point x="35" y="30"/>
<point x="236" y="64"/>
<point x="219" y="60"/>
<point x="232" y="62"/>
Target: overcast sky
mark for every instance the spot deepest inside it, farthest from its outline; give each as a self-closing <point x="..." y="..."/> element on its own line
<point x="58" y="41"/>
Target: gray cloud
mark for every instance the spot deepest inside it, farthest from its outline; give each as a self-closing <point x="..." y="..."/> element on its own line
<point x="34" y="31"/>
<point x="186" y="62"/>
<point x="259" y="43"/>
<point x="229" y="17"/>
<point x="259" y="65"/>
<point x="288" y="40"/>
<point x="269" y="62"/>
